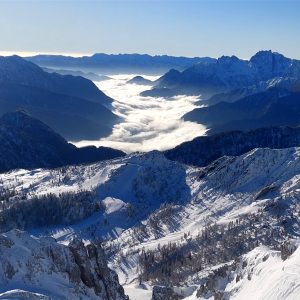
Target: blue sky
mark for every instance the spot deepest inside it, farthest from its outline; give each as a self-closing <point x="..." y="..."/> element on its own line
<point x="187" y="28"/>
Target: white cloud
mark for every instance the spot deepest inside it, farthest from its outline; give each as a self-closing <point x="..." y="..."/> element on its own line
<point x="149" y="123"/>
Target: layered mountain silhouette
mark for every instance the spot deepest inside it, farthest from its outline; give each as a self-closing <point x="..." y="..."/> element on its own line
<point x="28" y="143"/>
<point x="118" y="63"/>
<point x="288" y="83"/>
<point x="273" y="107"/>
<point x="203" y="150"/>
<point x="228" y="73"/>
<point x="88" y="75"/>
<point x="72" y="105"/>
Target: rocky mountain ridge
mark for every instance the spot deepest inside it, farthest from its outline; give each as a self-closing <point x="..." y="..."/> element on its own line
<point x="40" y="268"/>
<point x="72" y="105"/>
<point x="228" y="73"/>
<point x="203" y="150"/>
<point x="28" y="143"/>
<point x="156" y="234"/>
<point x="118" y="63"/>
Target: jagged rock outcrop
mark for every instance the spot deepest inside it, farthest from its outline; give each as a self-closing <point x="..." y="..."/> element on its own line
<point x="94" y="272"/>
<point x="288" y="248"/>
<point x="228" y="73"/>
<point x="165" y="293"/>
<point x="40" y="268"/>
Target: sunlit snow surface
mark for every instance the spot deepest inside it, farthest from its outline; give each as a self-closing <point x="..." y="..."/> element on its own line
<point x="230" y="190"/>
<point x="148" y="123"/>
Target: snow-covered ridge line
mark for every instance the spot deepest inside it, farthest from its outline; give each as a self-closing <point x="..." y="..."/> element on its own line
<point x="151" y="203"/>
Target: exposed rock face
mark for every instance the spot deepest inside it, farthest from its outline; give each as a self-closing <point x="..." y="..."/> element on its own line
<point x="164" y="293"/>
<point x="269" y="64"/>
<point x="40" y="268"/>
<point x="228" y="73"/>
<point x="288" y="248"/>
<point x="94" y="272"/>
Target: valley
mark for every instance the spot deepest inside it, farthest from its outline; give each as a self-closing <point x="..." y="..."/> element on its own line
<point x="186" y="196"/>
<point x="147" y="123"/>
<point x="149" y="150"/>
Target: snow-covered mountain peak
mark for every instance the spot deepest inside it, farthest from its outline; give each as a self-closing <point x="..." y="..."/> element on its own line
<point x="14" y="68"/>
<point x="148" y="180"/>
<point x="267" y="55"/>
<point x="270" y="64"/>
<point x="253" y="170"/>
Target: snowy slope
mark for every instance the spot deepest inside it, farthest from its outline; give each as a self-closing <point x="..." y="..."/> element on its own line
<point x="260" y="275"/>
<point x="272" y="279"/>
<point x="228" y="73"/>
<point x="150" y="202"/>
<point x="135" y="186"/>
<point x="40" y="268"/>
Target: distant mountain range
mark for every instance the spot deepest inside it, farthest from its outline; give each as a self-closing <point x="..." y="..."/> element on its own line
<point x="288" y="83"/>
<point x="228" y="73"/>
<point x="28" y="143"/>
<point x="210" y="219"/>
<point x="272" y="107"/>
<point x="88" y="75"/>
<point x="73" y="106"/>
<point x="203" y="150"/>
<point x="118" y="63"/>
<point x="238" y="94"/>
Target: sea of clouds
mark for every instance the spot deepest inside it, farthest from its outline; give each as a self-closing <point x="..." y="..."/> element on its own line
<point x="147" y="123"/>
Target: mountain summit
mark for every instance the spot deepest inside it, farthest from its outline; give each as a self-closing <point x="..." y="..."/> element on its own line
<point x="228" y="73"/>
<point x="72" y="105"/>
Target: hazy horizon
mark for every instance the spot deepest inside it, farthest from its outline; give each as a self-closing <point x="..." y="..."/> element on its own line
<point x="176" y="28"/>
<point x="77" y="55"/>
